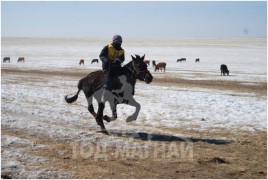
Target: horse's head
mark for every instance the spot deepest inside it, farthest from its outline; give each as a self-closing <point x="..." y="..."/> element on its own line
<point x="141" y="70"/>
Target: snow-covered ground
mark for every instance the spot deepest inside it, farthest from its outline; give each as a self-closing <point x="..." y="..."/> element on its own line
<point x="35" y="104"/>
<point x="161" y="106"/>
<point x="174" y="107"/>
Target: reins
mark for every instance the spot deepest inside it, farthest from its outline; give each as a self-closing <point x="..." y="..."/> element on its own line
<point x="135" y="70"/>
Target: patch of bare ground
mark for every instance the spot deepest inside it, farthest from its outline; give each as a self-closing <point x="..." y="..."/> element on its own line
<point x="240" y="86"/>
<point x="242" y="156"/>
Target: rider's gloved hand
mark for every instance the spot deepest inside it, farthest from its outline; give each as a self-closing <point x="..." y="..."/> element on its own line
<point x="118" y="60"/>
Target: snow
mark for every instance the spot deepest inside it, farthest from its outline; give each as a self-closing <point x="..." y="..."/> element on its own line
<point x="165" y="106"/>
<point x="187" y="107"/>
<point x="16" y="161"/>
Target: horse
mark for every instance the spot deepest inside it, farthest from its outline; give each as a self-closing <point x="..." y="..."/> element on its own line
<point x="154" y="64"/>
<point x="5" y="59"/>
<point x="21" y="59"/>
<point x="161" y="65"/>
<point x="224" y="70"/>
<point x="147" y="62"/>
<point x="95" y="60"/>
<point x="93" y="83"/>
<point x="81" y="62"/>
<point x="181" y="59"/>
<point x="197" y="60"/>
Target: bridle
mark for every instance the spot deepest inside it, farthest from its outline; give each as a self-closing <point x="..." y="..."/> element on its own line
<point x="135" y="70"/>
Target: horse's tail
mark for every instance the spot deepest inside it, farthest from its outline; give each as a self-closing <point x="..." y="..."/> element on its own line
<point x="74" y="98"/>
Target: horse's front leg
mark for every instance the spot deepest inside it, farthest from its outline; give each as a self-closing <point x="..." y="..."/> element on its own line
<point x="114" y="111"/>
<point x="133" y="102"/>
<point x="99" y="117"/>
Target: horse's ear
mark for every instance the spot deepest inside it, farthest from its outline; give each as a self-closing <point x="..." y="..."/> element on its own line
<point x="143" y="57"/>
<point x="132" y="58"/>
<point x="137" y="56"/>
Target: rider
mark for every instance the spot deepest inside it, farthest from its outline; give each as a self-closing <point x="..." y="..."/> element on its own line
<point x="112" y="55"/>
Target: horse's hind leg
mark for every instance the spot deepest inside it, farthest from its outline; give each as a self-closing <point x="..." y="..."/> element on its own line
<point x="90" y="106"/>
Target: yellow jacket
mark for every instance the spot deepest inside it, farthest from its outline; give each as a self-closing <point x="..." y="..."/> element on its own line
<point x="113" y="53"/>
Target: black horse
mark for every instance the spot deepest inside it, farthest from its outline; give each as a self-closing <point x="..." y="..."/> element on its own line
<point x="95" y="60"/>
<point x="122" y="92"/>
<point x="224" y="70"/>
<point x="154" y="63"/>
<point x="6" y="59"/>
<point x="181" y="59"/>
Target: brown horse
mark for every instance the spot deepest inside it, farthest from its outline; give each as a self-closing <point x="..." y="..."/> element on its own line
<point x="122" y="92"/>
<point x="147" y="62"/>
<point x="21" y="59"/>
<point x="160" y="66"/>
<point x="81" y="62"/>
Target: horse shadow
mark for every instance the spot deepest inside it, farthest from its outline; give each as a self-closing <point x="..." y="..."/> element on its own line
<point x="168" y="138"/>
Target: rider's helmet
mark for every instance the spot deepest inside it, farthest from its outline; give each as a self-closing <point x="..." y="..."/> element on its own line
<point x="117" y="39"/>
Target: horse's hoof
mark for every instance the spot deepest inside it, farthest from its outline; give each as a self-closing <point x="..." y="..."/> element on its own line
<point x="104" y="131"/>
<point x="130" y="119"/>
<point x="106" y="118"/>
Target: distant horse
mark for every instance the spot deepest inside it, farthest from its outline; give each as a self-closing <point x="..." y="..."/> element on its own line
<point x="224" y="70"/>
<point x="147" y="62"/>
<point x="181" y="59"/>
<point x="95" y="60"/>
<point x="81" y="62"/>
<point x="154" y="64"/>
<point x="197" y="60"/>
<point x="160" y="66"/>
<point x="6" y="59"/>
<point x="21" y="59"/>
<point x="92" y="85"/>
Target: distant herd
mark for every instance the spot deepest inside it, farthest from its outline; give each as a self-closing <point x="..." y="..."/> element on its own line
<point x="162" y="65"/>
<point x="158" y="67"/>
<point x="82" y="61"/>
<point x="7" y="59"/>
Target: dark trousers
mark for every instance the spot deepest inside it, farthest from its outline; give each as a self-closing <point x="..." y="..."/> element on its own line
<point x="111" y="73"/>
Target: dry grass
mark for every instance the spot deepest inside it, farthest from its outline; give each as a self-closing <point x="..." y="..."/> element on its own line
<point x="240" y="86"/>
<point x="244" y="157"/>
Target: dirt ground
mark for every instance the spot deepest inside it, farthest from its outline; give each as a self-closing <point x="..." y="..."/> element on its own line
<point x="239" y="155"/>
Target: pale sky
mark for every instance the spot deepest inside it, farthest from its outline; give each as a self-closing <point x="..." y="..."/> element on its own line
<point x="158" y="19"/>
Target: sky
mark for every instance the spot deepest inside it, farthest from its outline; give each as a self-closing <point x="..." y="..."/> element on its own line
<point x="134" y="19"/>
